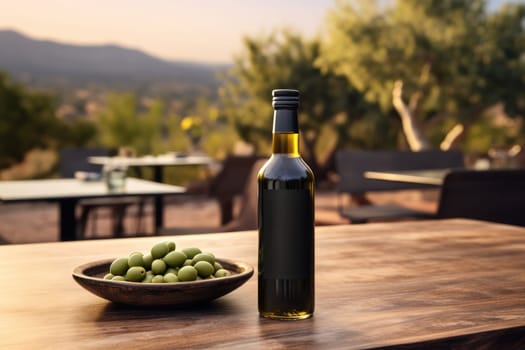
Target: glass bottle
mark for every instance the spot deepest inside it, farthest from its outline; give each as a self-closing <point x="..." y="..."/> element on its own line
<point x="286" y="220"/>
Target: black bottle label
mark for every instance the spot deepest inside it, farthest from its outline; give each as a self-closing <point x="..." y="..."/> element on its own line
<point x="286" y="234"/>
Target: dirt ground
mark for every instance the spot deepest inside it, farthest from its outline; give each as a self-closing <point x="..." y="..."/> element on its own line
<point x="38" y="222"/>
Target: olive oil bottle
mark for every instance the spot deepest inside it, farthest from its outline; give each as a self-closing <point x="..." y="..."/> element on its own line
<point x="286" y="220"/>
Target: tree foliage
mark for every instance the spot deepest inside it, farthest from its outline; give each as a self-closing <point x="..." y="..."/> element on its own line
<point x="285" y="60"/>
<point x="28" y="121"/>
<point x="148" y="128"/>
<point x="123" y="122"/>
<point x="454" y="59"/>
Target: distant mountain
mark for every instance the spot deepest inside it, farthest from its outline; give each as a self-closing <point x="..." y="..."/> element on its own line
<point x="42" y="60"/>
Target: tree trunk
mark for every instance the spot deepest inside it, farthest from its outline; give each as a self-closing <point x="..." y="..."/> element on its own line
<point x="451" y="137"/>
<point x="411" y="128"/>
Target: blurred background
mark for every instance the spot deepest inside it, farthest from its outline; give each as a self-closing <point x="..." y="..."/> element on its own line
<point x="196" y="76"/>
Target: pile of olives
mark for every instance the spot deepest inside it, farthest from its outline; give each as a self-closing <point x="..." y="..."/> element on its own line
<point x="164" y="264"/>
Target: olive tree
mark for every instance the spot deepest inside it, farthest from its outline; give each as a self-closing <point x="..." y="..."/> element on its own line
<point x="439" y="63"/>
<point x="283" y="59"/>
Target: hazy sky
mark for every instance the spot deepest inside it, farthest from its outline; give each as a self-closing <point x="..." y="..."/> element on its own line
<point x="200" y="30"/>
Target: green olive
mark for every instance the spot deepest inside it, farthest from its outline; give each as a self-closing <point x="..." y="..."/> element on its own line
<point x="158" y="267"/>
<point x="171" y="245"/>
<point x="157" y="279"/>
<point x="119" y="267"/>
<point x="203" y="257"/>
<point x="187" y="273"/>
<point x="148" y="278"/>
<point x="191" y="252"/>
<point x="209" y="254"/>
<point x="217" y="266"/>
<point x="170" y="278"/>
<point x="222" y="273"/>
<point x="135" y="274"/>
<point x="147" y="259"/>
<point x="164" y="264"/>
<point x="136" y="259"/>
<point x="159" y="250"/>
<point x="204" y="268"/>
<point x="175" y="259"/>
<point x="172" y="270"/>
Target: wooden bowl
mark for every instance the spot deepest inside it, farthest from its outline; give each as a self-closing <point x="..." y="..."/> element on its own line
<point x="90" y="276"/>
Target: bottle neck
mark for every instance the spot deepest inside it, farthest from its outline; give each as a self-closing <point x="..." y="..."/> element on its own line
<point x="285" y="132"/>
<point x="286" y="143"/>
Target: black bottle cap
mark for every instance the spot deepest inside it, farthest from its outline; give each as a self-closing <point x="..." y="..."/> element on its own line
<point x="285" y="98"/>
<point x="285" y="102"/>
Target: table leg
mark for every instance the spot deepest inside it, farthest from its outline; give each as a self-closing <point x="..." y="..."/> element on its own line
<point x="68" y="222"/>
<point x="159" y="213"/>
<point x="158" y="176"/>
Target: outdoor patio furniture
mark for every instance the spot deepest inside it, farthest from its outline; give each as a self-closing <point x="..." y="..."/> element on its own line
<point x="351" y="166"/>
<point x="491" y="195"/>
<point x="230" y="182"/>
<point x="157" y="164"/>
<point x="247" y="217"/>
<point x="73" y="160"/>
<point x="68" y="192"/>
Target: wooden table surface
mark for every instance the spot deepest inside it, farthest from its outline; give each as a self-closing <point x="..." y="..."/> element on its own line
<point x="420" y="284"/>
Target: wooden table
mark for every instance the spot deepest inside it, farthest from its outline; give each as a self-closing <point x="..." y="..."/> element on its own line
<point x="410" y="285"/>
<point x="425" y="177"/>
<point x="67" y="192"/>
<point x="157" y="163"/>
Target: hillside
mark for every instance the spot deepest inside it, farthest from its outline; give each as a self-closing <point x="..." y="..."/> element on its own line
<point x="38" y="61"/>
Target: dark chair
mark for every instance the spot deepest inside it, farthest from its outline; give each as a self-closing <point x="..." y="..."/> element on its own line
<point x="72" y="160"/>
<point x="491" y="195"/>
<point x="247" y="218"/>
<point x="231" y="182"/>
<point x="352" y="164"/>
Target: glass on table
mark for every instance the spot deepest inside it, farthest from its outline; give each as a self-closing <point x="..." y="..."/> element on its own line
<point x="115" y="174"/>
